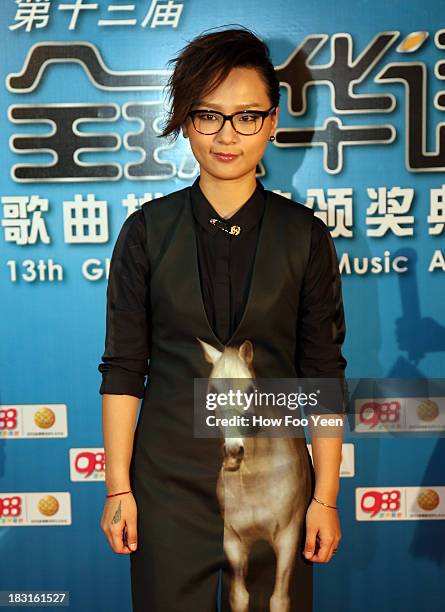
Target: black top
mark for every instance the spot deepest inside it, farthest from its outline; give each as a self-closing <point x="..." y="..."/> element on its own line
<point x="226" y="260"/>
<point x="225" y="263"/>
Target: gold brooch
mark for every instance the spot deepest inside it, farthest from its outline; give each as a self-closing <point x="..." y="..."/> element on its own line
<point x="234" y="229"/>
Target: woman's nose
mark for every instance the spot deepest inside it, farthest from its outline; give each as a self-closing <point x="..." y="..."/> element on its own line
<point x="226" y="134"/>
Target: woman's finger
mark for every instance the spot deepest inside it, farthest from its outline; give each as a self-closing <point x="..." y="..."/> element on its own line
<point x="117" y="538"/>
<point x="326" y="545"/>
<point x="131" y="534"/>
<point x="331" y="551"/>
<point x="309" y="547"/>
<point x="335" y="546"/>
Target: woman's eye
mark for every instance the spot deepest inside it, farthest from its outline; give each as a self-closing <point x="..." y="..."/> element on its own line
<point x="206" y="116"/>
<point x="248" y="118"/>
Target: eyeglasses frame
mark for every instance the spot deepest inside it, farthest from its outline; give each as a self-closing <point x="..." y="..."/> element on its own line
<point x="264" y="114"/>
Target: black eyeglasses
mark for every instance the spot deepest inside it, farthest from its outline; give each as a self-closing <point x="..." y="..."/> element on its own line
<point x="246" y="122"/>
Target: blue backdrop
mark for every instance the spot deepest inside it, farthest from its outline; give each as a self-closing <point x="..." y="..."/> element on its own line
<point x="361" y="140"/>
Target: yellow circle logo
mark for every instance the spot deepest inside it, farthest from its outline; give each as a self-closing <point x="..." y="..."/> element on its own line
<point x="44" y="418"/>
<point x="428" y="499"/>
<point x="48" y="505"/>
<point x="427" y="410"/>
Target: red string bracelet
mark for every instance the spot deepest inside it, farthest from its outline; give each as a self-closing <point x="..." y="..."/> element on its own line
<point x="123" y="493"/>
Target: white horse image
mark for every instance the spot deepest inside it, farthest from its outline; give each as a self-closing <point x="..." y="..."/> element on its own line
<point x="261" y="488"/>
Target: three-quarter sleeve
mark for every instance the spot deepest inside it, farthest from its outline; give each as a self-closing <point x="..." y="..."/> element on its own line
<point x="128" y="321"/>
<point x="321" y="327"/>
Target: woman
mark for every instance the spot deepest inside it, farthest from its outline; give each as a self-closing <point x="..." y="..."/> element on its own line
<point x="222" y="272"/>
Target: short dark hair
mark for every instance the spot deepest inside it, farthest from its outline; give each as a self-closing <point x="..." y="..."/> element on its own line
<point x="206" y="61"/>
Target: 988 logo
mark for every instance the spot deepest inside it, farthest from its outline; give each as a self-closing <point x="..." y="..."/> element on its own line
<point x="373" y="502"/>
<point x="379" y="415"/>
<point x="87" y="464"/>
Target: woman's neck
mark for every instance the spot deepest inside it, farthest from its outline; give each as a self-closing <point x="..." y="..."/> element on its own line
<point x="227" y="195"/>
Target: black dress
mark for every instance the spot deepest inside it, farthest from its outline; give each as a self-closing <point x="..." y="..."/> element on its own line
<point x="181" y="291"/>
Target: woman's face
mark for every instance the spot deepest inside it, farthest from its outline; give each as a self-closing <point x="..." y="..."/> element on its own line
<point x="243" y="89"/>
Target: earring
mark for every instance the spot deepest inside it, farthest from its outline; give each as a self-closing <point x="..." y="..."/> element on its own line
<point x="272" y="138"/>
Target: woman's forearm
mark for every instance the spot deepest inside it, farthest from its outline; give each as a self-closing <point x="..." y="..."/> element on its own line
<point x="326" y="455"/>
<point x="119" y="413"/>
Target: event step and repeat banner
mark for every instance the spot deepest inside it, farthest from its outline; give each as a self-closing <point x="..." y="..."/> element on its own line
<point x="361" y="141"/>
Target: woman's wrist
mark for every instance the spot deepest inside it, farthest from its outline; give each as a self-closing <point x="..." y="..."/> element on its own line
<point x="114" y="485"/>
<point x="329" y="496"/>
<point x="119" y="493"/>
<point x="323" y="503"/>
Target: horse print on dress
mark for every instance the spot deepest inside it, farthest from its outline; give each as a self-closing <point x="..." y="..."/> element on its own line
<point x="261" y="487"/>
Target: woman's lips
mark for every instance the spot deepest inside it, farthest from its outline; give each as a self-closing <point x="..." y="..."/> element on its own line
<point x="226" y="157"/>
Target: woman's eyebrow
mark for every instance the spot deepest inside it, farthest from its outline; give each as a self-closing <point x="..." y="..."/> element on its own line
<point x="218" y="106"/>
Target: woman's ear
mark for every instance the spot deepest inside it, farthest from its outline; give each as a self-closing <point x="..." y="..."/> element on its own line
<point x="274" y="120"/>
<point x="185" y="128"/>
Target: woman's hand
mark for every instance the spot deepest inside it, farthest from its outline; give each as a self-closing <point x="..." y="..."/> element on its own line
<point x="322" y="533"/>
<point x="119" y="523"/>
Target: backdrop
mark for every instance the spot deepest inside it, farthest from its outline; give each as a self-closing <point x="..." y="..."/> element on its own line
<point x="361" y="140"/>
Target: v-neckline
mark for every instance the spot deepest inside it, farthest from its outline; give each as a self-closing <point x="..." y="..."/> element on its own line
<point x="259" y="259"/>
